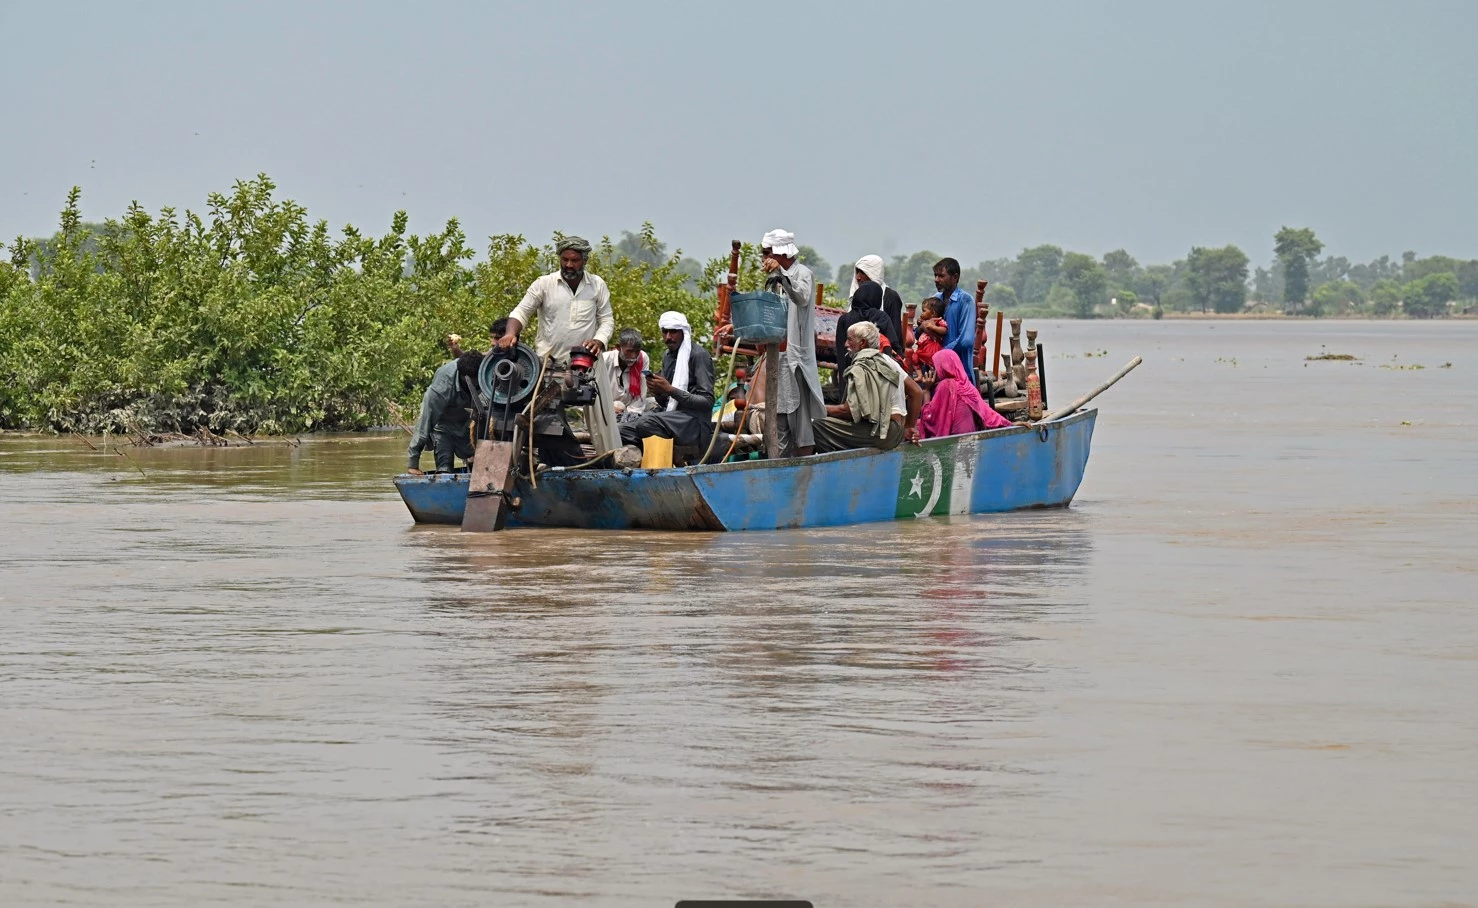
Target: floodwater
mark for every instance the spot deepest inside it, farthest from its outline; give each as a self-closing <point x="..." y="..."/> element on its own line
<point x="1242" y="669"/>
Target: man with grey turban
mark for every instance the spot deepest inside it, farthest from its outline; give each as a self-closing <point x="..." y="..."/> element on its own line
<point x="574" y="310"/>
<point x="798" y="401"/>
<point x="574" y="307"/>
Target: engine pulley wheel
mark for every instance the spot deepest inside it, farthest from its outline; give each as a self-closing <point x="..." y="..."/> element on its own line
<point x="507" y="377"/>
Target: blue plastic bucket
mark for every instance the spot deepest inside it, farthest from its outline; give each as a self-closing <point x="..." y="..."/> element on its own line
<point x="758" y="317"/>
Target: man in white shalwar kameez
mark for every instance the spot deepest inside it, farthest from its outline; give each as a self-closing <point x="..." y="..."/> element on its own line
<point x="799" y="397"/>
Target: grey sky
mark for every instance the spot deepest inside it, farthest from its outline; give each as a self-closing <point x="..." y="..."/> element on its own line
<point x="972" y="129"/>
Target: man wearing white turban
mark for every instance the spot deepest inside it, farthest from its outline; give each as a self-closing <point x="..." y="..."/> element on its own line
<point x="684" y="390"/>
<point x="870" y="270"/>
<point x="798" y="401"/>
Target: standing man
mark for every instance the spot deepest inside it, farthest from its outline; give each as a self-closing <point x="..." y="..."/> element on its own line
<point x="574" y="310"/>
<point x="959" y="313"/>
<point x="446" y="410"/>
<point x="798" y="400"/>
<point x="684" y="391"/>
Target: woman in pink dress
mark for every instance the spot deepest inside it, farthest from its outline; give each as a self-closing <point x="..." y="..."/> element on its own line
<point x="955" y="407"/>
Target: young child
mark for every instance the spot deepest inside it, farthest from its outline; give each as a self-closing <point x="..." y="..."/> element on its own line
<point x="931" y="332"/>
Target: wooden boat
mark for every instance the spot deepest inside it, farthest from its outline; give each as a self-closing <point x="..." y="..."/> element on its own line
<point x="1031" y="466"/>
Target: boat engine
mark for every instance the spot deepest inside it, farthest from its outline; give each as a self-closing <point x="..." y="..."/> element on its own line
<point x="509" y="378"/>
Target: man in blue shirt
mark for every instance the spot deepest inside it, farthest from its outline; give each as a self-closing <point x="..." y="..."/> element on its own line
<point x="959" y="313"/>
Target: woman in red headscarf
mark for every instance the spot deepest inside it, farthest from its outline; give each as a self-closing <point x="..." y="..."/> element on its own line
<point x="956" y="407"/>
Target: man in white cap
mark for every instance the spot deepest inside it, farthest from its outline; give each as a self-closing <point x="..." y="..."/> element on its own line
<point x="799" y="399"/>
<point x="684" y="391"/>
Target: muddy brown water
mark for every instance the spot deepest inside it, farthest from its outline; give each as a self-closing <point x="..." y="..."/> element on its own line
<point x="1242" y="669"/>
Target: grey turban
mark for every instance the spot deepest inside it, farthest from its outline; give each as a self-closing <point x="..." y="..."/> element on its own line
<point x="573" y="242"/>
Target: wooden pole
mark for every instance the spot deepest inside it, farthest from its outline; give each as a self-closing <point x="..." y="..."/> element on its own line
<point x="909" y="357"/>
<point x="772" y="400"/>
<point x="726" y="293"/>
<point x="981" y="310"/>
<point x="1000" y="328"/>
<point x="1078" y="404"/>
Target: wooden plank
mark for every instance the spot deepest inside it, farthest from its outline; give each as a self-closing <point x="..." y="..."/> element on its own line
<point x="492" y="476"/>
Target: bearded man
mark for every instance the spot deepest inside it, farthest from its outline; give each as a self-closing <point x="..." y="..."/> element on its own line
<point x="798" y="401"/>
<point x="574" y="310"/>
<point x="684" y="391"/>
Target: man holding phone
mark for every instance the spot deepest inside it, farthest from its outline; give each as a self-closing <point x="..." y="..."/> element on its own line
<point x="627" y="369"/>
<point x="683" y="390"/>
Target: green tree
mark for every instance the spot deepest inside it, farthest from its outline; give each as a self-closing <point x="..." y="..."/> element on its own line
<point x="1218" y="278"/>
<point x="1153" y="283"/>
<point x="1428" y="297"/>
<point x="1002" y="298"/>
<point x="1086" y="279"/>
<point x="1122" y="272"/>
<point x="1295" y="247"/>
<point x="820" y="266"/>
<point x="1337" y="298"/>
<point x="1385" y="298"/>
<point x="1467" y="279"/>
<point x="1037" y="269"/>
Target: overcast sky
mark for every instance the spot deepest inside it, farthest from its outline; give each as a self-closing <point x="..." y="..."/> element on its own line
<point x="973" y="129"/>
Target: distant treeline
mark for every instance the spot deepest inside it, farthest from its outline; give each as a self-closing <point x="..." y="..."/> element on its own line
<point x="252" y="318"/>
<point x="1046" y="281"/>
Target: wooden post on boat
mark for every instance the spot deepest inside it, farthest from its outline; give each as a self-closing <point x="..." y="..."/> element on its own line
<point x="910" y="312"/>
<point x="1018" y="357"/>
<point x="982" y="310"/>
<point x="1000" y="329"/>
<point x="726" y="292"/>
<point x="772" y="399"/>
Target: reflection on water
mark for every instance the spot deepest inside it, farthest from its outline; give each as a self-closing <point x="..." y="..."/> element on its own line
<point x="1239" y="670"/>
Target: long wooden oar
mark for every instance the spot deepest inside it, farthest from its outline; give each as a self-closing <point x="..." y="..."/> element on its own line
<point x="1078" y="404"/>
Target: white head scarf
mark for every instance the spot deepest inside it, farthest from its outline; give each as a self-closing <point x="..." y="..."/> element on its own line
<point x="872" y="266"/>
<point x="676" y="321"/>
<point x="780" y="242"/>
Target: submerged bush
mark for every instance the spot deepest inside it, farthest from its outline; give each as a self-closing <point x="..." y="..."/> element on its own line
<point x="254" y="319"/>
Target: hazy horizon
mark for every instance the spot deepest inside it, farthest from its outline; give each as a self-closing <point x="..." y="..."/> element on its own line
<point x="971" y="130"/>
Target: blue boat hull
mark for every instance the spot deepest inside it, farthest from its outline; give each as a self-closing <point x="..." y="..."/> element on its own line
<point x="999" y="470"/>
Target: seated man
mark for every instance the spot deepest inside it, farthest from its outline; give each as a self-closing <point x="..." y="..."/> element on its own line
<point x="882" y="402"/>
<point x="626" y="368"/>
<point x="684" y="391"/>
<point x="446" y="409"/>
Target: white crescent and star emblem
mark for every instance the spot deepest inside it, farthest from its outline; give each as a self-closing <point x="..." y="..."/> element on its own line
<point x="916" y="486"/>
